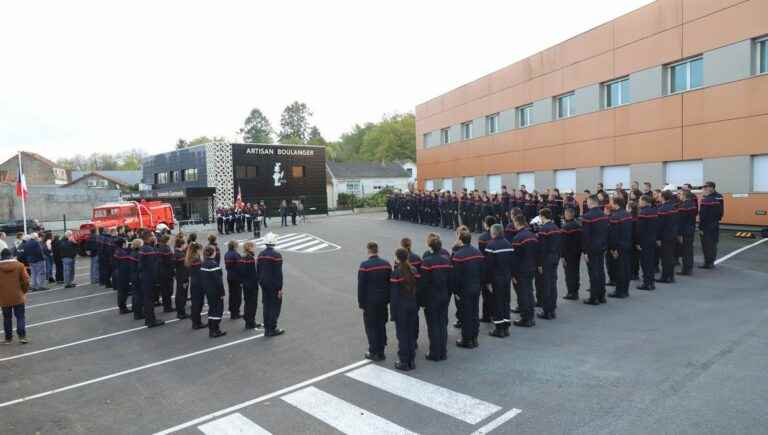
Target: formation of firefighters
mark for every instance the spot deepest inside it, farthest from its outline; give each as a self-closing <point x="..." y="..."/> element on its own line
<point x="523" y="238"/>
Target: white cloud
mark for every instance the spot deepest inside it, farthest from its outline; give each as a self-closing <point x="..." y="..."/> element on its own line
<point x="80" y="77"/>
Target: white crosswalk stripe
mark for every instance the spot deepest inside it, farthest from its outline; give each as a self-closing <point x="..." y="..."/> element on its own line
<point x="457" y="405"/>
<point x="233" y="424"/>
<point x="342" y="415"/>
<point x="301" y="243"/>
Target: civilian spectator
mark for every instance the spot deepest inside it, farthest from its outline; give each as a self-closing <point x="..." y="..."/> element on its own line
<point x="14" y="283"/>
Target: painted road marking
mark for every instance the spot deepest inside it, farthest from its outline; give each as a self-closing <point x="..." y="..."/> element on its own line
<point x="456" y="405"/>
<point x="234" y="424"/>
<point x="53" y="289"/>
<point x="127" y="372"/>
<point x="317" y="248"/>
<point x="71" y="299"/>
<point x="263" y="398"/>
<point x="503" y="418"/>
<point x="60" y="319"/>
<point x="300" y="243"/>
<point x="740" y="250"/>
<point x="342" y="415"/>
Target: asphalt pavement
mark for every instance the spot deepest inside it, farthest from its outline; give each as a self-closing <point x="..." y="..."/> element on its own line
<point x="688" y="358"/>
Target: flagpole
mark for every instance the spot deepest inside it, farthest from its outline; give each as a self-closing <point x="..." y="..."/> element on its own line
<point x="23" y="196"/>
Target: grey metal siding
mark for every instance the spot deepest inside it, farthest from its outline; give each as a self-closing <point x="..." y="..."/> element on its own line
<point x="646" y="84"/>
<point x="732" y="174"/>
<point x="726" y="64"/>
<point x="586" y="100"/>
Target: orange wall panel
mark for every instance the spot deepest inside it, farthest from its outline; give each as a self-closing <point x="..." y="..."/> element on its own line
<point x="743" y="21"/>
<point x="661" y="113"/>
<point x="597" y="125"/>
<point x="544" y="158"/>
<point x="589" y="153"/>
<point x="652" y="146"/>
<point x="726" y="138"/>
<point x="742" y="210"/>
<point x="588" y="72"/>
<point x="655" y="50"/>
<point x="546" y="86"/>
<point x="732" y="100"/>
<point x="588" y="44"/>
<point x="650" y="19"/>
<point x="695" y="9"/>
<point x="545" y="135"/>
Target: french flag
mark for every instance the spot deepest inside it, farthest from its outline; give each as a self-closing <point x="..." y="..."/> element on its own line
<point x="21" y="185"/>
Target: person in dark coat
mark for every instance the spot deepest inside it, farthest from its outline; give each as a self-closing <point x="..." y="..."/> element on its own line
<point x="550" y="240"/>
<point x="571" y="253"/>
<point x="181" y="272"/>
<point x="436" y="273"/>
<point x="123" y="260"/>
<point x="250" y="280"/>
<point x="92" y="250"/>
<point x="712" y="208"/>
<point x="137" y="299"/>
<point x="269" y="266"/>
<point x="594" y="241"/>
<point x="212" y="241"/>
<point x="526" y="246"/>
<point x="667" y="236"/>
<point x="687" y="228"/>
<point x="234" y="280"/>
<point x="499" y="262"/>
<point x="213" y="285"/>
<point x="59" y="265"/>
<point x="620" y="246"/>
<point x="404" y="307"/>
<point x="645" y="234"/>
<point x="166" y="266"/>
<point x="193" y="261"/>
<point x="373" y="296"/>
<point x="67" y="255"/>
<point x="488" y="300"/>
<point x="148" y="265"/>
<point x="468" y="269"/>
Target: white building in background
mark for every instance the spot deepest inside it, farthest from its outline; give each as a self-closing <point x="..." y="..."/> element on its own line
<point x="410" y="168"/>
<point x="364" y="178"/>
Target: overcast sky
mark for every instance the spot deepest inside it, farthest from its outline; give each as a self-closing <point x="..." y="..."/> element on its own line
<point x="104" y="76"/>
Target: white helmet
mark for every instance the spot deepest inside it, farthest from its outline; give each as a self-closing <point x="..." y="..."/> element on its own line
<point x="270" y="239"/>
<point x="161" y="227"/>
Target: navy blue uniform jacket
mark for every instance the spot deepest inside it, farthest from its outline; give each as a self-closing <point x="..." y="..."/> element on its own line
<point x="269" y="266"/>
<point x="526" y="245"/>
<point x="594" y="230"/>
<point x="468" y="267"/>
<point x="373" y="282"/>
<point x="232" y="262"/>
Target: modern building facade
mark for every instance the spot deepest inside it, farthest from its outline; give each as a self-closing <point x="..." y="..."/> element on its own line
<point x="674" y="92"/>
<point x="199" y="179"/>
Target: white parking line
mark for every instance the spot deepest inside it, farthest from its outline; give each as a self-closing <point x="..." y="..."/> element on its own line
<point x="263" y="398"/>
<point x="740" y="250"/>
<point x="71" y="299"/>
<point x="127" y="372"/>
<point x="503" y="418"/>
<point x="234" y="424"/>
<point x="60" y="319"/>
<point x="342" y="415"/>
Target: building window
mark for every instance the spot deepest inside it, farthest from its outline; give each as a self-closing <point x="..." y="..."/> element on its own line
<point x="410" y="172"/>
<point x="565" y="106"/>
<point x="494" y="184"/>
<point x="466" y="130"/>
<point x="613" y="175"/>
<point x="616" y="92"/>
<point x="429" y="185"/>
<point x="685" y="75"/>
<point x="245" y="172"/>
<point x="761" y="46"/>
<point x="528" y="180"/>
<point x="687" y="171"/>
<point x="492" y="123"/>
<point x="174" y="177"/>
<point x="353" y="187"/>
<point x="448" y="184"/>
<point x="469" y="183"/>
<point x="4" y="175"/>
<point x="524" y="116"/>
<point x="565" y="180"/>
<point x="298" y="171"/>
<point x="98" y="183"/>
<point x="191" y="174"/>
<point x="427" y="139"/>
<point x="161" y="178"/>
<point x="445" y="136"/>
<point x="760" y="173"/>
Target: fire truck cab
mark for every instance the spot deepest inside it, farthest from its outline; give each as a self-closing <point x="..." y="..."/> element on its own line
<point x="134" y="215"/>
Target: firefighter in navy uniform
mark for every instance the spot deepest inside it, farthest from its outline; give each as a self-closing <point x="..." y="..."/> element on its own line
<point x="620" y="246"/>
<point x="499" y="262"/>
<point x="269" y="266"/>
<point x="148" y="265"/>
<point x="165" y="272"/>
<point x="594" y="242"/>
<point x="373" y="297"/>
<point x="667" y="236"/>
<point x="212" y="280"/>
<point x="571" y="248"/>
<point x="487" y="304"/>
<point x="123" y="275"/>
<point x="182" y="278"/>
<point x="468" y="265"/>
<point x="250" y="281"/>
<point x="194" y="262"/>
<point x="645" y="234"/>
<point x="526" y="246"/>
<point x="710" y="214"/>
<point x="550" y="238"/>
<point x="220" y="221"/>
<point x="687" y="228"/>
<point x="436" y="274"/>
<point x="137" y="300"/>
<point x="234" y="281"/>
<point x="404" y="307"/>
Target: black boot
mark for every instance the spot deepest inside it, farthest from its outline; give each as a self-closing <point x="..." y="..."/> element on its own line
<point x="403" y="366"/>
<point x="571" y="296"/>
<point x="524" y="323"/>
<point x="154" y="323"/>
<point x="497" y="332"/>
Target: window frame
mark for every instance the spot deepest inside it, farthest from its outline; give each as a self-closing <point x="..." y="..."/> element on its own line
<point x="607" y="96"/>
<point x="426" y="139"/>
<point x="429" y="185"/>
<point x="759" y="55"/>
<point x="450" y="182"/>
<point x="185" y="175"/>
<point x="492" y="118"/>
<point x="303" y="171"/>
<point x="445" y="136"/>
<point x="527" y="108"/>
<point x="688" y="61"/>
<point x="474" y="183"/>
<point x="161" y="178"/>
<point x="696" y="182"/>
<point x="494" y="177"/>
<point x="466" y="130"/>
<point x="558" y="104"/>
<point x="530" y="186"/>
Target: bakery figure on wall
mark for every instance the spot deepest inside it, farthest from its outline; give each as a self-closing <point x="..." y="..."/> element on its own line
<point x="278" y="175"/>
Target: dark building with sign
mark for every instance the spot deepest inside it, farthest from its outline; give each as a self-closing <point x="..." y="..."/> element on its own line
<point x="199" y="179"/>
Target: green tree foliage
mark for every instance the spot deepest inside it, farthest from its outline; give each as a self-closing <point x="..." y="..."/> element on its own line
<point x="315" y="138"/>
<point x="182" y="143"/>
<point x="294" y="123"/>
<point x="394" y="138"/>
<point x="349" y="144"/>
<point x="257" y="128"/>
<point x="124" y="161"/>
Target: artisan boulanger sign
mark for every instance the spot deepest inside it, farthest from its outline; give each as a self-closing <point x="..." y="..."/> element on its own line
<point x="280" y="151"/>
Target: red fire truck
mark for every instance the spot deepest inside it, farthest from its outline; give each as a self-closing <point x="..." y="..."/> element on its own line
<point x="135" y="215"/>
